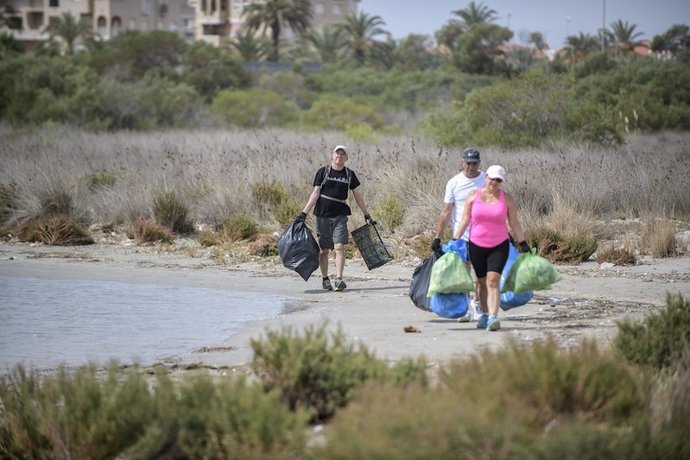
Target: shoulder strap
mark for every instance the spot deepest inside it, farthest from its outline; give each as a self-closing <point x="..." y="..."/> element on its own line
<point x="325" y="174"/>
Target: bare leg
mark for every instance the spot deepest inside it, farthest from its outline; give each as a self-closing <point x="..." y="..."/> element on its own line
<point x="323" y="262"/>
<point x="481" y="291"/>
<point x="339" y="260"/>
<point x="493" y="294"/>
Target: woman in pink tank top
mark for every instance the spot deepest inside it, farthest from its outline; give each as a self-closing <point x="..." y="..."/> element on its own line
<point x="488" y="212"/>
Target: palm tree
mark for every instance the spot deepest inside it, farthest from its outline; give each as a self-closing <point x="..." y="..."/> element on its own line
<point x="327" y="42"/>
<point x="581" y="45"/>
<point x="277" y="14"/>
<point x="359" y="33"/>
<point x="624" y="36"/>
<point x="249" y="47"/>
<point x="475" y="13"/>
<point x="68" y="29"/>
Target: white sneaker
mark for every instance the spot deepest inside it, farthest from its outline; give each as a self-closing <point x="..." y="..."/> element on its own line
<point x="469" y="316"/>
<point x="474" y="311"/>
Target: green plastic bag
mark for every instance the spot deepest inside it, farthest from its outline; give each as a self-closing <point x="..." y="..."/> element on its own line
<point x="449" y="275"/>
<point x="530" y="272"/>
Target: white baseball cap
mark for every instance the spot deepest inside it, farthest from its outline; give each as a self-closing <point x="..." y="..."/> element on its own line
<point x="496" y="172"/>
<point x="340" y="147"/>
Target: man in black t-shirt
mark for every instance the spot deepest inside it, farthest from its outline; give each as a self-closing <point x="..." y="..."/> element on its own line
<point x="332" y="184"/>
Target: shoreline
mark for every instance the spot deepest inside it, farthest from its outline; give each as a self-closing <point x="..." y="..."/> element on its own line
<point x="375" y="309"/>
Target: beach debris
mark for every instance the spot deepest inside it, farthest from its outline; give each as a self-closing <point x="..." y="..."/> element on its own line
<point x="411" y="329"/>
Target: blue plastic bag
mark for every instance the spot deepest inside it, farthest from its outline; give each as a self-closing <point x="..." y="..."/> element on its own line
<point x="457" y="246"/>
<point x="449" y="305"/>
<point x="510" y="299"/>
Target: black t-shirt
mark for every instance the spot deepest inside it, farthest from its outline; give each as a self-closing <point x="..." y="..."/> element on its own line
<point x="335" y="187"/>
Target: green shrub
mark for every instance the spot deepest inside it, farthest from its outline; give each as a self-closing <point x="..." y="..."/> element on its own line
<point x="75" y="415"/>
<point x="220" y="419"/>
<point x="391" y="212"/>
<point x="269" y="194"/>
<point x="511" y="403"/>
<point x="239" y="227"/>
<point x="55" y="230"/>
<point x="82" y="414"/>
<point x="331" y="112"/>
<point x="287" y="210"/>
<point x="660" y="339"/>
<point x="170" y="210"/>
<point x="208" y="238"/>
<point x="145" y="231"/>
<point x="317" y="371"/>
<point x="556" y="247"/>
<point x="254" y="108"/>
<point x="100" y="179"/>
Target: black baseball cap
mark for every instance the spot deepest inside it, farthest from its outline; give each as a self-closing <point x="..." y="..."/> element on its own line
<point x="470" y="155"/>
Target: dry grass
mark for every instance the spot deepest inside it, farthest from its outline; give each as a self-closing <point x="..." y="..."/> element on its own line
<point x="566" y="187"/>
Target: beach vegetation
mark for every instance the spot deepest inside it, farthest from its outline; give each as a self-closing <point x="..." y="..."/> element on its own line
<point x="616" y="256"/>
<point x="83" y="414"/>
<point x="659" y="340"/>
<point x="239" y="227"/>
<point x="170" y="210"/>
<point x="101" y="179"/>
<point x="556" y="247"/>
<point x="287" y="210"/>
<point x="390" y="211"/>
<point x="9" y="201"/>
<point x="264" y="245"/>
<point x="660" y="236"/>
<point x="55" y="230"/>
<point x="208" y="238"/>
<point x="318" y="370"/>
<point x="210" y="180"/>
<point x="146" y="231"/>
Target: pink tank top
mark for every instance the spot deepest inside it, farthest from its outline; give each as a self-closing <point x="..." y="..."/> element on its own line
<point x="488" y="221"/>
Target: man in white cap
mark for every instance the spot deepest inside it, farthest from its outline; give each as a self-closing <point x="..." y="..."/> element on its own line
<point x="470" y="178"/>
<point x="331" y="186"/>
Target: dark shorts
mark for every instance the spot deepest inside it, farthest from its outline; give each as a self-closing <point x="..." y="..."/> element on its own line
<point x="331" y="231"/>
<point x="486" y="260"/>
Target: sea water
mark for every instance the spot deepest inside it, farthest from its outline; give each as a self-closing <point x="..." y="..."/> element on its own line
<point x="46" y="323"/>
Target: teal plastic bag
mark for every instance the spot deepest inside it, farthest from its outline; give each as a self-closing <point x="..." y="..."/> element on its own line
<point x="530" y="272"/>
<point x="449" y="275"/>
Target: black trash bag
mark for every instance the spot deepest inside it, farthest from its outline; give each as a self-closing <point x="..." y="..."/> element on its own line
<point x="420" y="283"/>
<point x="298" y="249"/>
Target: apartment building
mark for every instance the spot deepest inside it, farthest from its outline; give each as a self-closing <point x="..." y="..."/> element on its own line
<point x="216" y="20"/>
<point x="108" y="18"/>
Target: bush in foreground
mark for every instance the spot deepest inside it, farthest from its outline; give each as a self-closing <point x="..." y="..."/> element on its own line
<point x="660" y="339"/>
<point x="84" y="415"/>
<point x="320" y="371"/>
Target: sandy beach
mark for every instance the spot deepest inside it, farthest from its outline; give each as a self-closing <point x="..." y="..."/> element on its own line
<point x="375" y="308"/>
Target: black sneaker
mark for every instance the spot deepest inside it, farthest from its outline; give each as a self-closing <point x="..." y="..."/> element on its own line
<point x="339" y="284"/>
<point x="326" y="284"/>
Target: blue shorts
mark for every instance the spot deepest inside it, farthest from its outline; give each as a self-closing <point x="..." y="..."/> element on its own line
<point x="331" y="231"/>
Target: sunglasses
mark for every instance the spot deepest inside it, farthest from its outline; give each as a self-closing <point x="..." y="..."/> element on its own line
<point x="496" y="179"/>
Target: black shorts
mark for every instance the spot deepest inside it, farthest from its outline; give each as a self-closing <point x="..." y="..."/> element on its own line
<point x="486" y="260"/>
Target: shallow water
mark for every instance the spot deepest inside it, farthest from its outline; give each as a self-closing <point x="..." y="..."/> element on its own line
<point x="45" y="323"/>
